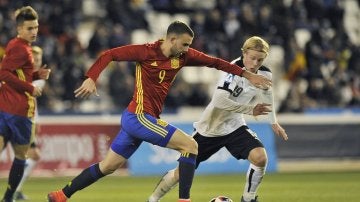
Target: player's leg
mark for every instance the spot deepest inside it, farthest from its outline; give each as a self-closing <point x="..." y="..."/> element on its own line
<point x="4" y="132"/>
<point x="156" y="131"/>
<point x="255" y="173"/>
<point x="33" y="156"/>
<point x="16" y="170"/>
<point x="96" y="171"/>
<point x="20" y="129"/>
<point x="206" y="148"/>
<point x="187" y="146"/>
<point x="2" y="143"/>
<point x="245" y="144"/>
<point x="112" y="161"/>
<point x="167" y="182"/>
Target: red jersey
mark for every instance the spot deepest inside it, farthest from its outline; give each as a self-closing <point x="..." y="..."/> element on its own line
<point x="155" y="72"/>
<point x="16" y="75"/>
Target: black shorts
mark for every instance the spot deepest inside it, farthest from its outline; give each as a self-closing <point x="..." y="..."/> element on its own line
<point x="239" y="143"/>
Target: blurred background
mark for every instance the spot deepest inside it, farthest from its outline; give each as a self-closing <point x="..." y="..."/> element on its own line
<point x="314" y="52"/>
<point x="314" y="57"/>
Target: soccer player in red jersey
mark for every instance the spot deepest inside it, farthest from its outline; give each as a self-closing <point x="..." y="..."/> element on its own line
<point x="17" y="94"/>
<point x="33" y="154"/>
<point x="156" y="67"/>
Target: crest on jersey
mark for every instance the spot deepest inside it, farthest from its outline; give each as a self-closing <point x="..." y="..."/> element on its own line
<point x="161" y="122"/>
<point x="229" y="78"/>
<point x="175" y="63"/>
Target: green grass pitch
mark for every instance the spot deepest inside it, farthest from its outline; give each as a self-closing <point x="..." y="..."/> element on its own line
<point x="276" y="187"/>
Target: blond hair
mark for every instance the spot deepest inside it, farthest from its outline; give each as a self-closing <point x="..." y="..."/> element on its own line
<point x="256" y="43"/>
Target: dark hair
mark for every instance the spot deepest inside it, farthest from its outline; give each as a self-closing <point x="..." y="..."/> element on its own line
<point x="25" y="14"/>
<point x="178" y="27"/>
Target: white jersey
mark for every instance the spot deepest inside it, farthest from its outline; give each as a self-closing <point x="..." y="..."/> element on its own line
<point x="230" y="101"/>
<point x="40" y="83"/>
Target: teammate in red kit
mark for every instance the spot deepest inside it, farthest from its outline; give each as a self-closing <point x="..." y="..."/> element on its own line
<point x="33" y="154"/>
<point x="17" y="94"/>
<point x="156" y="67"/>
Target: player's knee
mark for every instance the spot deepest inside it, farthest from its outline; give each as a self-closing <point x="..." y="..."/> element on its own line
<point x="260" y="161"/>
<point x="258" y="157"/>
<point x="191" y="146"/>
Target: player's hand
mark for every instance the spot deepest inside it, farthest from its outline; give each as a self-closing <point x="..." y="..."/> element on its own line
<point x="279" y="131"/>
<point x="37" y="91"/>
<point x="257" y="80"/>
<point x="261" y="109"/>
<point x="44" y="72"/>
<point x="87" y="88"/>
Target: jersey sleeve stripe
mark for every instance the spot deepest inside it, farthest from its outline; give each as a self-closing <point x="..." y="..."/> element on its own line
<point x="21" y="74"/>
<point x="139" y="91"/>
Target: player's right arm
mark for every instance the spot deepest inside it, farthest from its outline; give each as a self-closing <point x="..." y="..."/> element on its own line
<point x="10" y="79"/>
<point x="87" y="88"/>
<point x="122" y="53"/>
<point x="222" y="101"/>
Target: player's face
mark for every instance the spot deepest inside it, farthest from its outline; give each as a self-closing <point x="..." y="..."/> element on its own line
<point x="28" y="30"/>
<point x="253" y="60"/>
<point x="180" y="44"/>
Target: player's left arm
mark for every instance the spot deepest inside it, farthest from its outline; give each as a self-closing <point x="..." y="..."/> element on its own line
<point x="222" y="101"/>
<point x="42" y="74"/>
<point x="268" y="97"/>
<point x="197" y="58"/>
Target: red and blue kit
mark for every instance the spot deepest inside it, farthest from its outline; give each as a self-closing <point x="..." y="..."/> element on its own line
<point x="155" y="72"/>
<point x="17" y="105"/>
<point x="16" y="75"/>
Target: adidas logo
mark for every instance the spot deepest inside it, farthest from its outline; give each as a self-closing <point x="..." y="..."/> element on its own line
<point x="154" y="64"/>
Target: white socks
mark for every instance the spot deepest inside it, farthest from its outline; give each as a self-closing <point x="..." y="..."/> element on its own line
<point x="167" y="182"/>
<point x="29" y="166"/>
<point x="254" y="176"/>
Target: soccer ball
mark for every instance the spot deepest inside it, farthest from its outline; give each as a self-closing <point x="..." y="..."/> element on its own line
<point x="221" y="199"/>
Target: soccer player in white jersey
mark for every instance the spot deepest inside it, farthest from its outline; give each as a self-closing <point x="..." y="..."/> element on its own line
<point x="222" y="123"/>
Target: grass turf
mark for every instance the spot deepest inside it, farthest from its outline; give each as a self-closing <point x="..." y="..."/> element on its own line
<point x="276" y="187"/>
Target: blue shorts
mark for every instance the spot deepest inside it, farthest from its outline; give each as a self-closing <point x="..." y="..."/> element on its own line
<point x="136" y="128"/>
<point x="16" y="129"/>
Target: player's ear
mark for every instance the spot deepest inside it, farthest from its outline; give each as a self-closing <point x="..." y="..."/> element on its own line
<point x="172" y="38"/>
<point x="18" y="28"/>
